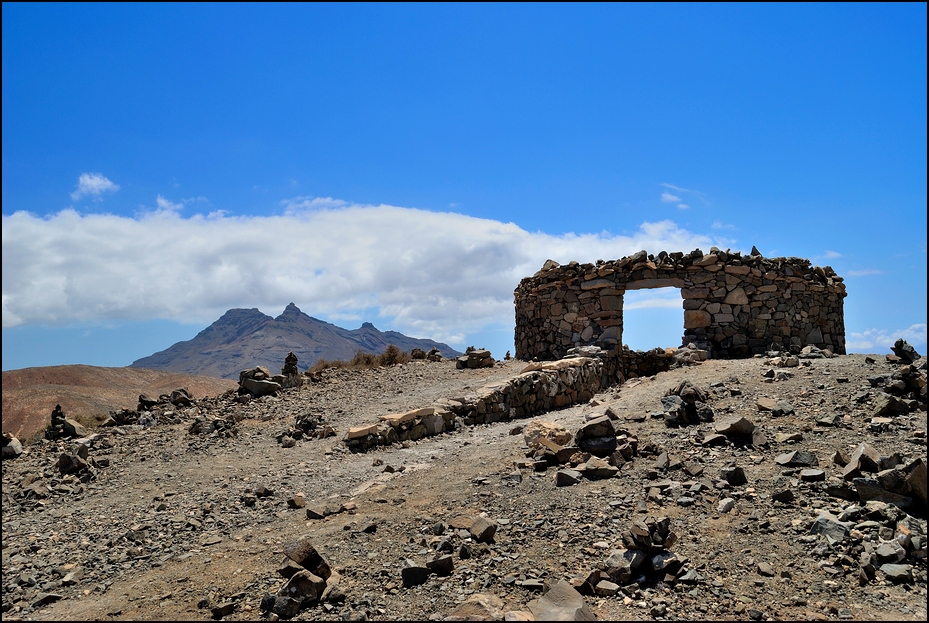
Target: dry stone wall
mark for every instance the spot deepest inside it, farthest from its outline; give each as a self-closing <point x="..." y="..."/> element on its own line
<point x="540" y="387"/>
<point x="733" y="305"/>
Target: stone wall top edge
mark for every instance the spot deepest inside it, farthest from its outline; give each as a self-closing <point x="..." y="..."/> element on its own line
<point x="667" y="262"/>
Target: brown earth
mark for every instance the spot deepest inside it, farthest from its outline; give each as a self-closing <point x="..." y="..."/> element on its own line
<point x="172" y="526"/>
<point x="30" y="394"/>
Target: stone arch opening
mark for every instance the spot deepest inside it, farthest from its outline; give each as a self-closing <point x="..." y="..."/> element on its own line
<point x="653" y="317"/>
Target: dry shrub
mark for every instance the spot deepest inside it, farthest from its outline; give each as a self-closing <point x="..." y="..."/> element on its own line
<point x="392" y="356"/>
<point x="363" y="360"/>
<point x="323" y="364"/>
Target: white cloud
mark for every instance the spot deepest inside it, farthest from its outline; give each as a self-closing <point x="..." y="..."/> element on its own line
<point x="92" y="184"/>
<point x="170" y="206"/>
<point x="676" y="198"/>
<point x="720" y="225"/>
<point x="864" y="273"/>
<point x="439" y="275"/>
<point x="872" y="340"/>
<point x="654" y="298"/>
<point x="831" y="255"/>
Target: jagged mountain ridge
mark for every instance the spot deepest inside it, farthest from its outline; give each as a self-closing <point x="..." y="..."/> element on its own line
<point x="244" y="338"/>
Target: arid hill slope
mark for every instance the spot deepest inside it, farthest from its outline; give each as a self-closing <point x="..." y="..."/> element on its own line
<point x="30" y="394"/>
<point x="174" y="525"/>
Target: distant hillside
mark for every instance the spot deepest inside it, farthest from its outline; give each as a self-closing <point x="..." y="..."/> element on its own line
<point x="244" y="338"/>
<point x="30" y="394"/>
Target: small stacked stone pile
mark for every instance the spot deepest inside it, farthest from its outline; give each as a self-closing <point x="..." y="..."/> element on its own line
<point x="151" y="411"/>
<point x="475" y="358"/>
<point x="63" y="427"/>
<point x="307" y="425"/>
<point x="893" y="481"/>
<point x="903" y="353"/>
<point x="905" y="389"/>
<point x="645" y="555"/>
<point x="599" y="450"/>
<point x="310" y="580"/>
<point x="291" y="372"/>
<point x="257" y="382"/>
<point x="888" y="544"/>
<point x="686" y="404"/>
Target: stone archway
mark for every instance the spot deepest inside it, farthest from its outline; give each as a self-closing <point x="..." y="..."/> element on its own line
<point x="734" y="305"/>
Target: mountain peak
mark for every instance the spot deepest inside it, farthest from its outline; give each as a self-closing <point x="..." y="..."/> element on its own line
<point x="291" y="313"/>
<point x="244" y="338"/>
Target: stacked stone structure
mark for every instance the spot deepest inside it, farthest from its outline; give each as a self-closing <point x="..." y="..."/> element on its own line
<point x="734" y="305"/>
<point x="540" y="387"/>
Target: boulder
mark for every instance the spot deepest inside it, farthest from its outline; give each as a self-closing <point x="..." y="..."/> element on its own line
<point x="915" y="476"/>
<point x="562" y="602"/>
<point x="302" y="552"/>
<point x="734" y="426"/>
<point x="623" y="564"/>
<point x="12" y="447"/>
<point x="260" y="388"/>
<point x="413" y="574"/>
<point x="596" y="468"/>
<point x="567" y="477"/>
<point x="72" y="428"/>
<point x="478" y="607"/>
<point x="181" y="397"/>
<point x="483" y="529"/>
<point x="904" y="351"/>
<point x="797" y="458"/>
<point x="549" y="430"/>
<point x="865" y="458"/>
<point x="830" y="527"/>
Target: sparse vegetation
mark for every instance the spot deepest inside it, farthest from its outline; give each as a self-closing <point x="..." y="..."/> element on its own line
<point x="363" y="360"/>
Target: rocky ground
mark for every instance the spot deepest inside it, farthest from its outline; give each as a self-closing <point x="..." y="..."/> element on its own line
<point x="160" y="523"/>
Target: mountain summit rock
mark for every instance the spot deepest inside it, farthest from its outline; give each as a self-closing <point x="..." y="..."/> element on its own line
<point x="245" y="338"/>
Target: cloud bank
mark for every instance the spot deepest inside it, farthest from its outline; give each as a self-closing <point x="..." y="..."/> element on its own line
<point x="868" y="341"/>
<point x="436" y="274"/>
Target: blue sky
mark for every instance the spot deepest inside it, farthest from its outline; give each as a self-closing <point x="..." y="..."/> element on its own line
<point x="406" y="164"/>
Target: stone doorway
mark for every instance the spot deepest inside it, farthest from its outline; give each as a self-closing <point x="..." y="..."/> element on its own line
<point x="653" y="318"/>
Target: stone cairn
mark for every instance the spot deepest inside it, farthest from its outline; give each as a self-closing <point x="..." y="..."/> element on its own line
<point x="475" y="358"/>
<point x="63" y="427"/>
<point x="733" y="305"/>
<point x="599" y="449"/>
<point x="257" y="382"/>
<point x="290" y="372"/>
<point x="151" y="411"/>
<point x="432" y="355"/>
<point x="686" y="404"/>
<point x="310" y="580"/>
